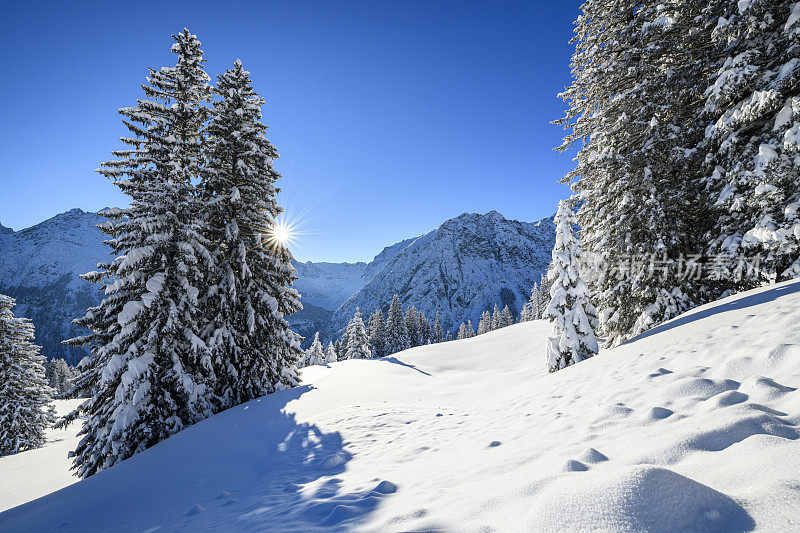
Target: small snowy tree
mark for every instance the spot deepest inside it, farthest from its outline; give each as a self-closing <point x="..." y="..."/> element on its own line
<point x="357" y="341"/>
<point x="397" y="338"/>
<point x="496" y="319"/>
<point x="25" y="396"/>
<point x="376" y="331"/>
<point x="330" y="353"/>
<point x="573" y="316"/>
<point x="506" y="317"/>
<point x="437" y="333"/>
<point x="485" y="323"/>
<point x="315" y="355"/>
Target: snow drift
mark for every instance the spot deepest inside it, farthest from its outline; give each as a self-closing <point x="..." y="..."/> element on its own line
<point x="691" y="426"/>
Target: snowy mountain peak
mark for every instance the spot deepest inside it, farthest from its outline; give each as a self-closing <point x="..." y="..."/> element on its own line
<point x="468" y="264"/>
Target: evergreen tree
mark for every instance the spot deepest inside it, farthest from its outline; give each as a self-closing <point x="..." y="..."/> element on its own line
<point x="253" y="350"/>
<point x="753" y="144"/>
<point x="315" y="355"/>
<point x="330" y="353"/>
<point x="448" y="337"/>
<point x="60" y="376"/>
<point x="570" y="311"/>
<point x="496" y="319"/>
<point x="635" y="106"/>
<point x="469" y="330"/>
<point x="506" y="317"/>
<point x="437" y="334"/>
<point x="485" y="323"/>
<point x="357" y="341"/>
<point x="412" y="320"/>
<point x="25" y="410"/>
<point x="376" y="333"/>
<point x="151" y="374"/>
<point x="397" y="338"/>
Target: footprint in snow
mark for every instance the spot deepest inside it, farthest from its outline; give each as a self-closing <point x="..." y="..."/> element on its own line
<point x="574" y="466"/>
<point x="196" y="510"/>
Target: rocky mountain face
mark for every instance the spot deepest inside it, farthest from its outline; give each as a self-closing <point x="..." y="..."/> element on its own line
<point x="467" y="265"/>
<point x="39" y="267"/>
<point x="461" y="268"/>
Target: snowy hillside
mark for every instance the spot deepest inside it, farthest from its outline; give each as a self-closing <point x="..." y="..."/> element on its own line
<point x="693" y="426"/>
<point x="460" y="269"/>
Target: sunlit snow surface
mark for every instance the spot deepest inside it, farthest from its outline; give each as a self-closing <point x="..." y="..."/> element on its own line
<point x="692" y="427"/>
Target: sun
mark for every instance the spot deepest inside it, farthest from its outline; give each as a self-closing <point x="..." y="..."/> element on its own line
<point x="282" y="234"/>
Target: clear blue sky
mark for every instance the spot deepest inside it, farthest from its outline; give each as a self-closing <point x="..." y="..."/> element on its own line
<point x="390" y="117"/>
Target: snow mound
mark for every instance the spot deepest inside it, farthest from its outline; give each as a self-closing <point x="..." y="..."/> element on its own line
<point x="642" y="498"/>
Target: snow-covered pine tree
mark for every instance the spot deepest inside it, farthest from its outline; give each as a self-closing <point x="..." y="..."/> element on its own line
<point x="531" y="309"/>
<point x="437" y="333"/>
<point x="573" y="316"/>
<point x="59" y="376"/>
<point x="376" y="333"/>
<point x="315" y="355"/>
<point x="397" y="338"/>
<point x="753" y="144"/>
<point x="151" y="373"/>
<point x="635" y="106"/>
<point x="357" y="341"/>
<point x="25" y="410"/>
<point x="496" y="319"/>
<point x="330" y="353"/>
<point x="412" y="320"/>
<point x="506" y="317"/>
<point x="485" y="323"/>
<point x="462" y="332"/>
<point x="250" y="288"/>
<point x="469" y="330"/>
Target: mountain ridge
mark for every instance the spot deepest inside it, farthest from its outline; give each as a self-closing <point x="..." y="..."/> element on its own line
<point x="40" y="267"/>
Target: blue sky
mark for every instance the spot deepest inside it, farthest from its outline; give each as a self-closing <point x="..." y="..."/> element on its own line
<point x="390" y="117"/>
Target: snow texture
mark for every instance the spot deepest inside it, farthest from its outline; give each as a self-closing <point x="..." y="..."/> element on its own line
<point x="691" y="426"/>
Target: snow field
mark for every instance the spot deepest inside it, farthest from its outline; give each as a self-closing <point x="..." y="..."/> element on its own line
<point x="693" y="426"/>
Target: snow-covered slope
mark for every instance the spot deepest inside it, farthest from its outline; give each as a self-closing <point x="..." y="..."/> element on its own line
<point x="460" y="269"/>
<point x="691" y="427"/>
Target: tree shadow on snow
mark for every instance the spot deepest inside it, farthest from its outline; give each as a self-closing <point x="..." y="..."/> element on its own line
<point x="397" y="361"/>
<point x="252" y="467"/>
<point x="740" y="303"/>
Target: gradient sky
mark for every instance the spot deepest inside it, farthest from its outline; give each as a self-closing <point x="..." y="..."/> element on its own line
<point x="390" y="117"/>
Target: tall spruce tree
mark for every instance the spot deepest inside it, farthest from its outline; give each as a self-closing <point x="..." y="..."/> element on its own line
<point x="25" y="410"/>
<point x="151" y="373"/>
<point x="357" y="341"/>
<point x="250" y="287"/>
<point x="635" y="106"/>
<point x="573" y="316"/>
<point x="753" y="144"/>
<point x="485" y="322"/>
